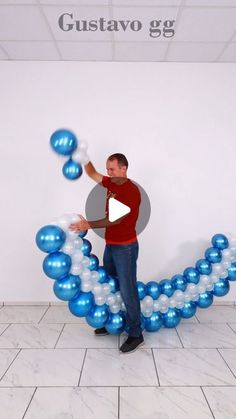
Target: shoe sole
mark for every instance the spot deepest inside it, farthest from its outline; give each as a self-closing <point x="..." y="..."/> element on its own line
<point x="130" y="352"/>
<point x="102" y="334"/>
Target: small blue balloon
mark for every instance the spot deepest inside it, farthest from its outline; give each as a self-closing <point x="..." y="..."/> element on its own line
<point x="179" y="282"/>
<point x="204" y="267"/>
<point x="141" y="287"/>
<point x="232" y="272"/>
<point x="220" y="241"/>
<point x="67" y="288"/>
<point x="93" y="262"/>
<point x="188" y="310"/>
<point x="86" y="247"/>
<point x="167" y="287"/>
<point x="103" y="275"/>
<point x="153" y="323"/>
<point x="192" y="275"/>
<point x="50" y="238"/>
<point x="57" y="265"/>
<point x="63" y="142"/>
<point x="171" y="318"/>
<point x="221" y="287"/>
<point x="81" y="304"/>
<point x="113" y="283"/>
<point x="72" y="170"/>
<point x="115" y="324"/>
<point x="153" y="289"/>
<point x="213" y="255"/>
<point x="205" y="300"/>
<point x="82" y="234"/>
<point x="98" y="316"/>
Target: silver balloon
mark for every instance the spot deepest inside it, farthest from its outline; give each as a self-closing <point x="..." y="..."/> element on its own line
<point x="214" y="278"/>
<point x="86" y="286"/>
<point x="115" y="308"/>
<point x="86" y="274"/>
<point x="164" y="309"/>
<point x="85" y="261"/>
<point x="97" y="289"/>
<point x="106" y="289"/>
<point x="163" y="299"/>
<point x="95" y="276"/>
<point x="76" y="269"/>
<point x="77" y="256"/>
<point x="100" y="300"/>
<point x="111" y="299"/>
<point x="156" y="305"/>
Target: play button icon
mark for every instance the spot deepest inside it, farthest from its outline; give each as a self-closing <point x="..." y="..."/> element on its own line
<point x="117" y="209"/>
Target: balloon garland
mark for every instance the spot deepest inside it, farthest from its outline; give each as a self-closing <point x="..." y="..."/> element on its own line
<point x="93" y="294"/>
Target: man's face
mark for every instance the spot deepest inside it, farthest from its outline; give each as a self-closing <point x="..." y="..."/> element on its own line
<point x="114" y="170"/>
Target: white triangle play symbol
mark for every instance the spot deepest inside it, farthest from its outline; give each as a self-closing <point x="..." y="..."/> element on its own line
<point x="116" y="209"/>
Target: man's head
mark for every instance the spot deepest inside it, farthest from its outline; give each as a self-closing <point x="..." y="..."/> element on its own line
<point x="117" y="165"/>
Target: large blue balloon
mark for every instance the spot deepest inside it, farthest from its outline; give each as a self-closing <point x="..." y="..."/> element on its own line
<point x="205" y="300"/>
<point x="63" y="142"/>
<point x="213" y="255"/>
<point x="192" y="275"/>
<point x="179" y="282"/>
<point x="153" y="323"/>
<point x="141" y="287"/>
<point x="188" y="310"/>
<point x="221" y="287"/>
<point x="232" y="272"/>
<point x="50" y="238"/>
<point x="57" y="265"/>
<point x="167" y="287"/>
<point x="72" y="170"/>
<point x="220" y="241"/>
<point x="98" y="316"/>
<point x="204" y="267"/>
<point x="93" y="262"/>
<point x="103" y="275"/>
<point x="171" y="318"/>
<point x="153" y="289"/>
<point x="81" y="304"/>
<point x="115" y="324"/>
<point x="86" y="248"/>
<point x="67" y="288"/>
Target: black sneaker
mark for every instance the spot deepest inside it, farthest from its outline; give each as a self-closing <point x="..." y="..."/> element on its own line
<point x="131" y="344"/>
<point x="101" y="332"/>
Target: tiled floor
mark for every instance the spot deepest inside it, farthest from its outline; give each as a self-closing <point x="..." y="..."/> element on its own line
<point x="53" y="367"/>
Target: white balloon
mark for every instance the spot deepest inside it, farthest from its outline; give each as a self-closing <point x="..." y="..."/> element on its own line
<point x="95" y="276"/>
<point x="76" y="269"/>
<point x="226" y="254"/>
<point x="226" y="264"/>
<point x="98" y="290"/>
<point x="77" y="256"/>
<point x="178" y="295"/>
<point x="192" y="288"/>
<point x="86" y="274"/>
<point x="209" y="287"/>
<point x="78" y="156"/>
<point x="232" y="241"/>
<point x="86" y="286"/>
<point x="85" y="261"/>
<point x="123" y="306"/>
<point x="172" y="302"/>
<point x="214" y="278"/>
<point x="118" y="297"/>
<point x="106" y="289"/>
<point x="156" y="305"/>
<point x="195" y="297"/>
<point x="147" y="312"/>
<point x="83" y="145"/>
<point x="78" y="243"/>
<point x="68" y="248"/>
<point x="217" y="268"/>
<point x="111" y="299"/>
<point x="115" y="308"/>
<point x="187" y="297"/>
<point x="163" y="299"/>
<point x="148" y="301"/>
<point x="204" y="279"/>
<point x="164" y="309"/>
<point x="64" y="221"/>
<point x="201" y="288"/>
<point x="179" y="304"/>
<point x="224" y="275"/>
<point x="100" y="300"/>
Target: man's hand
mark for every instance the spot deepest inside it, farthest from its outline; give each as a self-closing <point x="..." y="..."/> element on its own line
<point x="80" y="226"/>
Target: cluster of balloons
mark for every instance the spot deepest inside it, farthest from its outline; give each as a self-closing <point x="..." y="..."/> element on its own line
<point x="65" y="143"/>
<point x="95" y="295"/>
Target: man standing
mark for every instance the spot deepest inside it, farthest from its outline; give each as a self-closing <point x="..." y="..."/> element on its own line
<point x="121" y="250"/>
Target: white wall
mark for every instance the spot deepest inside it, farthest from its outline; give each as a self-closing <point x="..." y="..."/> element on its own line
<point x="176" y="124"/>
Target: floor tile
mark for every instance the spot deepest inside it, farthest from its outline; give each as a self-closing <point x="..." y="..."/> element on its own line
<point x="164" y="338"/>
<point x="221" y="401"/>
<point x="163" y="403"/>
<point x="30" y="336"/>
<point x="75" y="402"/>
<point x="22" y="314"/>
<point x="14" y="402"/>
<point x="61" y="314"/>
<point x="6" y="357"/>
<point x="192" y="319"/>
<point x="207" y="335"/>
<point x="45" y="367"/>
<point x="229" y="356"/>
<point x="82" y="336"/>
<point x="195" y="367"/>
<point x="3" y="327"/>
<point x="108" y="367"/>
<point x="217" y="314"/>
<point x="233" y="326"/>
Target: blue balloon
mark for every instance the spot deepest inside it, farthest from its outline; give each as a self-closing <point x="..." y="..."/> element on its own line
<point x="188" y="310"/>
<point x="220" y="241"/>
<point x="167" y="287"/>
<point x="213" y="255"/>
<point x="67" y="288"/>
<point x="72" y="170"/>
<point x="153" y="289"/>
<point x="50" y="238"/>
<point x="171" y="318"/>
<point x="141" y="287"/>
<point x="93" y="262"/>
<point x="192" y="275"/>
<point x="81" y="304"/>
<point x="63" y="142"/>
<point x="82" y="234"/>
<point x="153" y="323"/>
<point x="232" y="272"/>
<point x="179" y="282"/>
<point x="98" y="316"/>
<point x="86" y="248"/>
<point x="57" y="265"/>
<point x="221" y="287"/>
<point x="204" y="267"/>
<point x="103" y="275"/>
<point x="116" y="323"/>
<point x="113" y="283"/>
<point x="205" y="300"/>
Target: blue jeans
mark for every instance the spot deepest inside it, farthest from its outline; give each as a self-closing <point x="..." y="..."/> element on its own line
<point x="120" y="260"/>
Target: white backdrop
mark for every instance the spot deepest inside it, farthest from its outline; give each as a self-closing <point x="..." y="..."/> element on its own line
<point x="174" y="121"/>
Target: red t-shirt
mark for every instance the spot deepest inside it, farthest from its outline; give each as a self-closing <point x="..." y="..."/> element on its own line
<point x="129" y="194"/>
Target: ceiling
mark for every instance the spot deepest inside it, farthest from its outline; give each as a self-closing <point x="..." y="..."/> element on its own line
<point x="204" y="30"/>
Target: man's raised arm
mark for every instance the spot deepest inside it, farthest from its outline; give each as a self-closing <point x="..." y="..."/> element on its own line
<point x="91" y="172"/>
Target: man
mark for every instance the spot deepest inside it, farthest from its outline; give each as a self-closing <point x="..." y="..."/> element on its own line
<point x="121" y="250"/>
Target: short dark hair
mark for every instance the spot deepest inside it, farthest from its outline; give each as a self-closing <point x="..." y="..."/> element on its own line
<point x="121" y="159"/>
